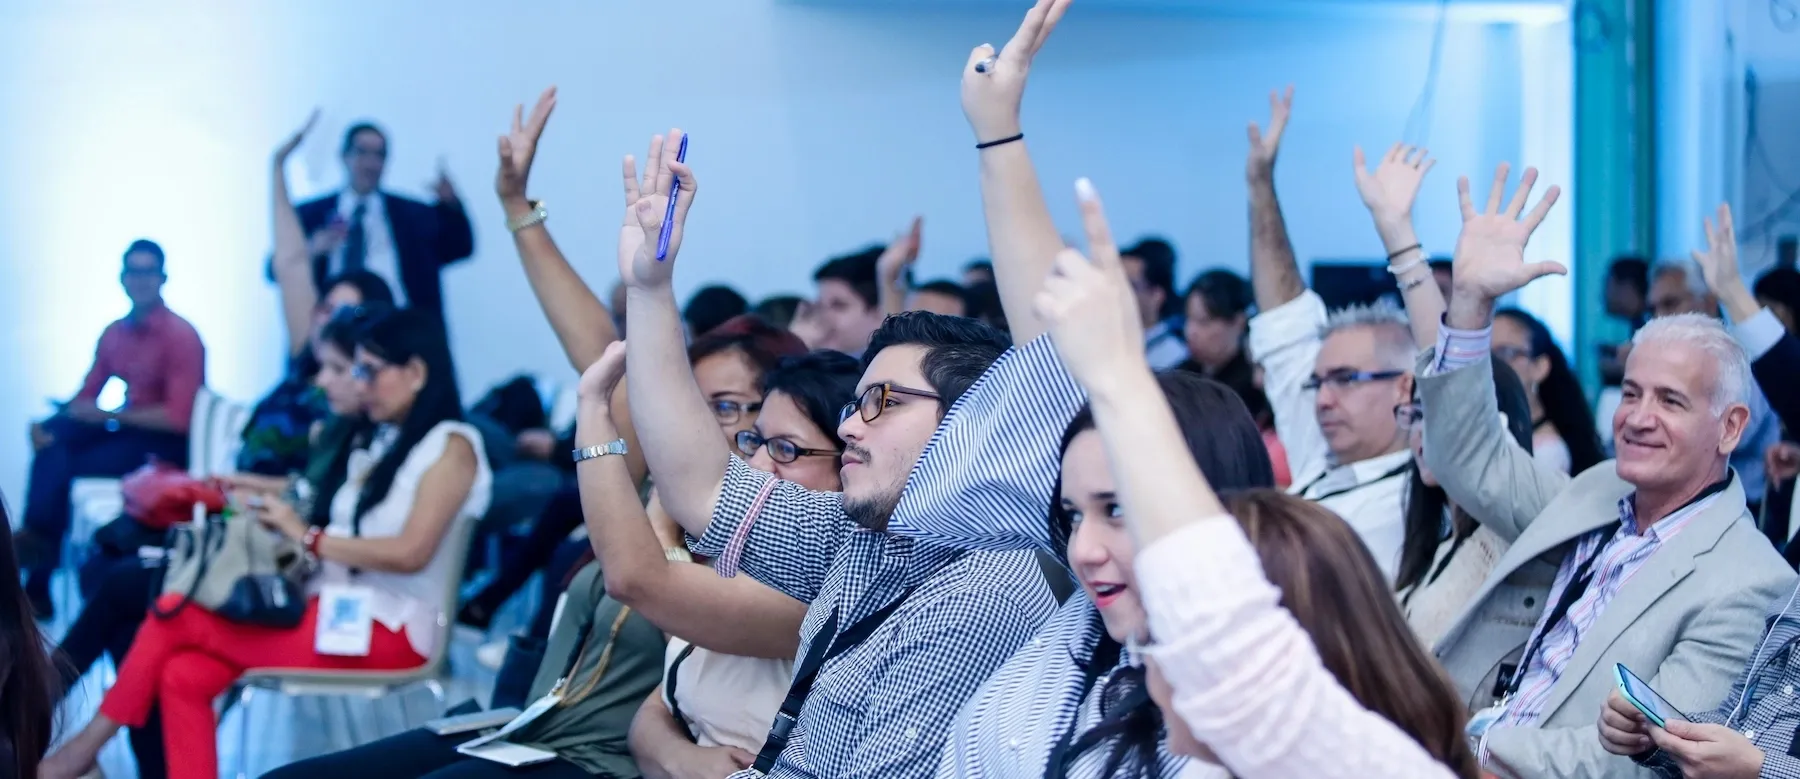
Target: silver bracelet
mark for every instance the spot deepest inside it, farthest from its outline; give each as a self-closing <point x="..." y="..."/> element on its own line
<point x="1420" y="260"/>
<point x="536" y="215"/>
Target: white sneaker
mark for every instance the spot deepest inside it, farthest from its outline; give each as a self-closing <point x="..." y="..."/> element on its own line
<point x="491" y="655"/>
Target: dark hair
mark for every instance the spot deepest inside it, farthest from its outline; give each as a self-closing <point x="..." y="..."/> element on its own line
<point x="1444" y="264"/>
<point x="819" y="382"/>
<point x="957" y="349"/>
<point x="1424" y="507"/>
<point x="373" y="288"/>
<point x="1228" y="447"/>
<point x="144" y="245"/>
<point x="1564" y="402"/>
<point x="1332" y="587"/>
<point x="397" y="336"/>
<point x="1159" y="271"/>
<point x="778" y="310"/>
<point x="711" y="307"/>
<point x="979" y="266"/>
<point x="1634" y="271"/>
<point x="1226" y="294"/>
<point x="947" y="288"/>
<point x="856" y="270"/>
<point x="361" y="127"/>
<point x="1780" y="285"/>
<point x="28" y="679"/>
<point x="983" y="301"/>
<point x="763" y="344"/>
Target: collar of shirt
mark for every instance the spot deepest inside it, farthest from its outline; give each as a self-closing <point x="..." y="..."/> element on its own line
<point x="148" y="319"/>
<point x="1356" y="475"/>
<point x="1668" y="526"/>
<point x="374" y="203"/>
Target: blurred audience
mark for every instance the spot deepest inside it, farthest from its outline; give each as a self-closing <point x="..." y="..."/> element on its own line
<point x="848" y="307"/>
<point x="1151" y="266"/>
<point x="710" y="307"/>
<point x="1564" y="435"/>
<point x="28" y="679"/>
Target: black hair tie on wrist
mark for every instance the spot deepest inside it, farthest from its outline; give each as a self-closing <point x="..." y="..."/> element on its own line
<point x="1395" y="255"/>
<point x="1002" y="141"/>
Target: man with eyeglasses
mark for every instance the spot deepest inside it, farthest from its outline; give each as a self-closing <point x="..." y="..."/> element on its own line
<point x="1332" y="381"/>
<point x="362" y="227"/>
<point x="162" y="363"/>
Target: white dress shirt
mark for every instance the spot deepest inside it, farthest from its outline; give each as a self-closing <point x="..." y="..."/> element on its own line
<point x="1285" y="342"/>
<point x="379" y="256"/>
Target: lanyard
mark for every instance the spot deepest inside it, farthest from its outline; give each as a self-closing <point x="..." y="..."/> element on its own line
<point x="821" y="651"/>
<point x="1105" y="658"/>
<point x="1578" y="584"/>
<point x="669" y="685"/>
<point x="1395" y="471"/>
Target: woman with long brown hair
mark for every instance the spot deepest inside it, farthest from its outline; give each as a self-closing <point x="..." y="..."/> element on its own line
<point x="1280" y="651"/>
<point x="27" y="679"/>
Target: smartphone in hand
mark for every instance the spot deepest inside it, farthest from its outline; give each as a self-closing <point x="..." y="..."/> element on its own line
<point x="1639" y="693"/>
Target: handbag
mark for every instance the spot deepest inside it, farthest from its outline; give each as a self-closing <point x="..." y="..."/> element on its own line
<point x="237" y="569"/>
<point x="159" y="495"/>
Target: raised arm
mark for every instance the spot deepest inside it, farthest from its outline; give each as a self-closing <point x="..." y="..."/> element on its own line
<point x="736" y="616"/>
<point x="581" y="321"/>
<point x="1022" y="238"/>
<point x="1389" y="193"/>
<point x="1479" y="465"/>
<point x="1274" y="273"/>
<point x="1774" y="354"/>
<point x="292" y="265"/>
<point x="891" y="268"/>
<point x="686" y="451"/>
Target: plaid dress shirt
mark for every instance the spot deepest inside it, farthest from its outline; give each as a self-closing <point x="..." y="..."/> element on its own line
<point x="881" y="709"/>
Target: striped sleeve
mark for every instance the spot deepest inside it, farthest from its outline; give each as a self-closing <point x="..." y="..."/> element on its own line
<point x="1461" y="348"/>
<point x="778" y="532"/>
<point x="985" y="479"/>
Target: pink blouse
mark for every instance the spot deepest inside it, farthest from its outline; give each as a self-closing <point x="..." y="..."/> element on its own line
<point x="1245" y="676"/>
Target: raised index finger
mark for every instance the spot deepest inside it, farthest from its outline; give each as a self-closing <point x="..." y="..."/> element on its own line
<point x="1101" y="247"/>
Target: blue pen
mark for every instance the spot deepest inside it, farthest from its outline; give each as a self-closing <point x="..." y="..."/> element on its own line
<point x="668" y="227"/>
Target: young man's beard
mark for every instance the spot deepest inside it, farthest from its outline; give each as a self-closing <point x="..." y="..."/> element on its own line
<point x="873" y="513"/>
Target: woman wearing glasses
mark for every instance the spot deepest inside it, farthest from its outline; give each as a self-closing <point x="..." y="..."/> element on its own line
<point x="415" y="470"/>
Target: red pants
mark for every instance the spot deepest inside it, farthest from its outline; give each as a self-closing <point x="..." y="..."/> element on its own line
<point x="184" y="663"/>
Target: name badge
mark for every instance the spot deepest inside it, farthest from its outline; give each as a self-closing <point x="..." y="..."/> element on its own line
<point x="346" y="622"/>
<point x="1480" y="721"/>
<point x="537" y="709"/>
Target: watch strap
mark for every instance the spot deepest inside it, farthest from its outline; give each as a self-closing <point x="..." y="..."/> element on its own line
<point x="615" y="446"/>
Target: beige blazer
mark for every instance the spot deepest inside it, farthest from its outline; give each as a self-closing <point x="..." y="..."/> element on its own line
<point x="1686" y="622"/>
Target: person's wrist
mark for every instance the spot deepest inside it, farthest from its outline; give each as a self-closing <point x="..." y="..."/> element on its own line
<point x="1396" y="231"/>
<point x="1469" y="310"/>
<point x="996" y="129"/>
<point x="515" y="205"/>
<point x="1739" y="303"/>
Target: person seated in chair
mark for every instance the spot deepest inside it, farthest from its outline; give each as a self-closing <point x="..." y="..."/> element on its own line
<point x="414" y="470"/>
<point x="159" y="357"/>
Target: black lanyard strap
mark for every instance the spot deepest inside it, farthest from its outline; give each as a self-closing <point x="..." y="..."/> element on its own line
<point x="1395" y="471"/>
<point x="825" y="646"/>
<point x="1578" y="584"/>
<point x="669" y="688"/>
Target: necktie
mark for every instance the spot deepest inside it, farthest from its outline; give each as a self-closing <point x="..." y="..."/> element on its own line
<point x="356" y="241"/>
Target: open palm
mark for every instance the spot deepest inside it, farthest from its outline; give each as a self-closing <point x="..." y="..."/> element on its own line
<point x="519" y="146"/>
<point x="991" y="97"/>
<point x="1390" y="191"/>
<point x="647" y="204"/>
<point x="287" y="147"/>
<point x="1264" y="145"/>
<point x="1719" y="263"/>
<point x="1490" y="252"/>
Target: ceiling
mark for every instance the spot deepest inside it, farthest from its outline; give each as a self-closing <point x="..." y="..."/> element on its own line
<point x="1466" y="10"/>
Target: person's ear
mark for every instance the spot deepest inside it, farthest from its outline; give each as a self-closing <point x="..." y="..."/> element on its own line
<point x="417" y="373"/>
<point x="1540" y="369"/>
<point x="1736" y="419"/>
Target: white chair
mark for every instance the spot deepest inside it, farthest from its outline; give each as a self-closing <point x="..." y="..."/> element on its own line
<point x="367" y="685"/>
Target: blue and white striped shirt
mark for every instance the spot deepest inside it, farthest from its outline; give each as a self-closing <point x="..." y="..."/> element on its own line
<point x="985" y="482"/>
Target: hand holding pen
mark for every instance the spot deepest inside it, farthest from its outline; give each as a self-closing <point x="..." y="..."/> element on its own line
<point x="659" y="206"/>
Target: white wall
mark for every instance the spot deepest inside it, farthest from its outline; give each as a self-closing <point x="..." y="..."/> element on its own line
<point x="815" y="130"/>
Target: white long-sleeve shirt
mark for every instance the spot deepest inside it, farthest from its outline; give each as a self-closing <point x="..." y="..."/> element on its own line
<point x="1246" y="677"/>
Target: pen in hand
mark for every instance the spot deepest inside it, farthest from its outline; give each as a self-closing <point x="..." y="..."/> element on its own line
<point x="668" y="225"/>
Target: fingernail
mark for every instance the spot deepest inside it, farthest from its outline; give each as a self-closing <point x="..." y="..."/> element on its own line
<point x="1084" y="189"/>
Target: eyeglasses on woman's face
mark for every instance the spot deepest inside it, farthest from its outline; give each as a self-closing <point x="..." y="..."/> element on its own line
<point x="366" y="372"/>
<point x="877" y="398"/>
<point x="730" y="411"/>
<point x="781" y="450"/>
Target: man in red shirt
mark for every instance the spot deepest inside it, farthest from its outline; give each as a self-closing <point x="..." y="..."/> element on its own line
<point x="159" y="357"/>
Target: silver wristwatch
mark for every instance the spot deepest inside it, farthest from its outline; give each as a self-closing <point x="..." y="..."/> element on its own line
<point x="616" y="446"/>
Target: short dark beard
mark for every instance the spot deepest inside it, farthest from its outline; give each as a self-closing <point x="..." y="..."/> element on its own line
<point x="874" y="513"/>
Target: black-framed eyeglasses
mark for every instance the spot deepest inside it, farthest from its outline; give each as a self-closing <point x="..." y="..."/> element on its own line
<point x="367" y="371"/>
<point x="1509" y="353"/>
<point x="781" y="450"/>
<point x="729" y="411"/>
<point x="1343" y="379"/>
<point x="1409" y="415"/>
<point x="877" y="398"/>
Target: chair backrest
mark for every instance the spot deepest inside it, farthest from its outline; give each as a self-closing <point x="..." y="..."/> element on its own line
<point x="456" y="544"/>
<point x="215" y="434"/>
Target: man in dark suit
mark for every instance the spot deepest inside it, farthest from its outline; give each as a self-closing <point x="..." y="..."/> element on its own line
<point x="402" y="240"/>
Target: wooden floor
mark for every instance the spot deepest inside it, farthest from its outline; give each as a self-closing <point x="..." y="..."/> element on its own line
<point x="287" y="729"/>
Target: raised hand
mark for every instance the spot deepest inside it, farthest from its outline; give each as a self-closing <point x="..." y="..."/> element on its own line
<point x="442" y="186"/>
<point x="647" y="203"/>
<point x="993" y="85"/>
<point x="287" y="147"/>
<point x="1089" y="306"/>
<point x="600" y="379"/>
<point x="1719" y="267"/>
<point x="891" y="267"/>
<point x="1490" y="252"/>
<point x="1265" y="145"/>
<point x="1389" y="192"/>
<point x="517" y="149"/>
